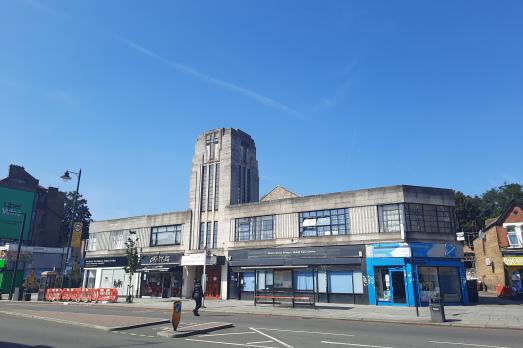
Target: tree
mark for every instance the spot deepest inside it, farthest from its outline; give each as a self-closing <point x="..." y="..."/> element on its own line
<point x="81" y="214"/>
<point x="133" y="261"/>
<point x="468" y="212"/>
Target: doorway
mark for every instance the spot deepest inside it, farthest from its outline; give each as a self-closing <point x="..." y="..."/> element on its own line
<point x="213" y="283"/>
<point x="389" y="285"/>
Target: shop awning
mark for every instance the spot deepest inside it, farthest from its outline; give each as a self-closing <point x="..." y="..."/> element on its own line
<point x="155" y="269"/>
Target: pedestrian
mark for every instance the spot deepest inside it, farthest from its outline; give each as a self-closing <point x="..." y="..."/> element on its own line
<point x="197" y="295"/>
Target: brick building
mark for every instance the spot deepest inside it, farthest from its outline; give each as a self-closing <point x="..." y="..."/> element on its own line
<point x="499" y="250"/>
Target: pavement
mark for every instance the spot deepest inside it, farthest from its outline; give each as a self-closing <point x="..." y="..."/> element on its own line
<point x="491" y="312"/>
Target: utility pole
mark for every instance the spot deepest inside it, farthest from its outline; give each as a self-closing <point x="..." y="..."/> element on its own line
<point x="20" y="236"/>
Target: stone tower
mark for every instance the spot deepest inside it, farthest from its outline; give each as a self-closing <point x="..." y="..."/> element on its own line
<point x="224" y="172"/>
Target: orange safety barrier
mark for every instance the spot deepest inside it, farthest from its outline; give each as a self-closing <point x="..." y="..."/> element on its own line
<point x="82" y="294"/>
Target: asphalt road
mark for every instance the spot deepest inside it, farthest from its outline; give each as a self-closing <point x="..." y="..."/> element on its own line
<point x="257" y="331"/>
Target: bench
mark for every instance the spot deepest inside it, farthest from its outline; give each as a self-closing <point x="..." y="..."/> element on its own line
<point x="309" y="300"/>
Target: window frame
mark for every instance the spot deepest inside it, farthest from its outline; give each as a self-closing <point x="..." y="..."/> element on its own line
<point x="177" y="233"/>
<point x="256" y="228"/>
<point x="323" y="223"/>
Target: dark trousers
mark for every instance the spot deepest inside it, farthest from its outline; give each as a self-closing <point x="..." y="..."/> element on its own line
<point x="198" y="301"/>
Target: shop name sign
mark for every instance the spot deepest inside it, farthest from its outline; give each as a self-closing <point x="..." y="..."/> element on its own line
<point x="304" y="253"/>
<point x="160" y="259"/>
<point x="513" y="261"/>
<point x="11" y="209"/>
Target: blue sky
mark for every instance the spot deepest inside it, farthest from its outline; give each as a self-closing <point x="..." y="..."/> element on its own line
<point x="338" y="95"/>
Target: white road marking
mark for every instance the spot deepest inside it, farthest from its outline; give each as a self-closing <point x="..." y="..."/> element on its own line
<point x="311" y="332"/>
<point x="227" y="334"/>
<point x="466" y="344"/>
<point x="354" y="344"/>
<point x="132" y="334"/>
<point x="268" y="341"/>
<point x="228" y="343"/>
<point x="272" y="338"/>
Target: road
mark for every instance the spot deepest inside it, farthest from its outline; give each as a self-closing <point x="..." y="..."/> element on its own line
<point x="258" y="331"/>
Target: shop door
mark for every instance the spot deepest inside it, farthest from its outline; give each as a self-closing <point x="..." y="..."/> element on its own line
<point x="213" y="282"/>
<point x="166" y="285"/>
<point x="399" y="295"/>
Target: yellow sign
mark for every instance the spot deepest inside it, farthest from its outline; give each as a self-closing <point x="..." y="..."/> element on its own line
<point x="76" y="238"/>
<point x="513" y="261"/>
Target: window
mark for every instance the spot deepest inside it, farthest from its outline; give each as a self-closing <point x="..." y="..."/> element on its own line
<point x="248" y="281"/>
<point x="255" y="228"/>
<point x="264" y="281"/>
<point x="340" y="282"/>
<point x="210" y="195"/>
<point x="215" y="235"/>
<point x="118" y="239"/>
<point x="282" y="279"/>
<point x="390" y="217"/>
<point x="303" y="280"/>
<point x="429" y="218"/>
<point x="201" y="237"/>
<point x="208" y="240"/>
<point x="217" y="187"/>
<point x="166" y="235"/>
<point x="91" y="244"/>
<point x="324" y="223"/>
<point x="513" y="238"/>
<point x="203" y="199"/>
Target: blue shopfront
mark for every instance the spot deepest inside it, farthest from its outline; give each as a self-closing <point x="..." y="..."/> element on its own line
<point x="403" y="274"/>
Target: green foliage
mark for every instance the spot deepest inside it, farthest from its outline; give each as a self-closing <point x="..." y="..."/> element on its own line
<point x="472" y="211"/>
<point x="81" y="214"/>
<point x="133" y="259"/>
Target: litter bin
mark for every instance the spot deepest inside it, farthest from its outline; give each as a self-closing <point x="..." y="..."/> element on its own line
<point x="472" y="289"/>
<point x="437" y="310"/>
<point x="27" y="296"/>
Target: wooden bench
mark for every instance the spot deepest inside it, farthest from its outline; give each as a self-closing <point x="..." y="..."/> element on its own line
<point x="309" y="300"/>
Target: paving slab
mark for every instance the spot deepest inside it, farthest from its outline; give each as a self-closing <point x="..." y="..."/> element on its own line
<point x="96" y="321"/>
<point x="195" y="329"/>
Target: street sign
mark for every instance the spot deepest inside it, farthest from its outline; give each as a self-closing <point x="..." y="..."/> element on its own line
<point x="76" y="238"/>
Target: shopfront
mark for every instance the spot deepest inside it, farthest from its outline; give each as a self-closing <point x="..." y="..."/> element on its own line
<point x="514" y="273"/>
<point x="403" y="274"/>
<point x="329" y="274"/>
<point x="215" y="271"/>
<point x="107" y="272"/>
<point x="161" y="275"/>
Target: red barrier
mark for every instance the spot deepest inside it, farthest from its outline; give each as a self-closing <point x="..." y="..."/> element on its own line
<point x="503" y="291"/>
<point x="82" y="294"/>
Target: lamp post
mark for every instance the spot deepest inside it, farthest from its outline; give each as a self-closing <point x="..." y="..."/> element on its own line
<point x="67" y="177"/>
<point x="20" y="236"/>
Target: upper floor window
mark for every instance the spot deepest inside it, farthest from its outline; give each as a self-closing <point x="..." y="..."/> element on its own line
<point x="514" y="236"/>
<point x="118" y="239"/>
<point x="91" y="242"/>
<point x="390" y="217"/>
<point x="166" y="235"/>
<point x="254" y="228"/>
<point x="429" y="218"/>
<point x="324" y="223"/>
<point x="211" y="140"/>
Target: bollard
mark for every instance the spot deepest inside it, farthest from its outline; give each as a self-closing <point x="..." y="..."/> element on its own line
<point x="177" y="314"/>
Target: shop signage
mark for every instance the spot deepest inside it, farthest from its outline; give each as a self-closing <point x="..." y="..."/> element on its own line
<point x="198" y="260"/>
<point x="389" y="250"/>
<point x="513" y="260"/>
<point x="403" y="250"/>
<point x="117" y="261"/>
<point x="161" y="259"/>
<point x="76" y="238"/>
<point x="297" y="256"/>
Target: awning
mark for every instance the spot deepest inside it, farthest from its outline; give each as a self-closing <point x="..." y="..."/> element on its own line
<point x="156" y="269"/>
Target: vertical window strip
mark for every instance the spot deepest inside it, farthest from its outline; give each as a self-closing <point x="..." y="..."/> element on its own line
<point x="210" y="188"/>
<point x="201" y="239"/>
<point x="208" y="240"/>
<point x="215" y="235"/>
<point x="217" y="186"/>
<point x="248" y="189"/>
<point x="203" y="197"/>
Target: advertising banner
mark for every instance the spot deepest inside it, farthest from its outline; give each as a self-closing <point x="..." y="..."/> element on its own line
<point x="76" y="238"/>
<point x="12" y="203"/>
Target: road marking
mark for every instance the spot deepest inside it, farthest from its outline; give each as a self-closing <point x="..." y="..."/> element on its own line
<point x="269" y="341"/>
<point x="466" y="344"/>
<point x="226" y="334"/>
<point x="354" y="344"/>
<point x="311" y="332"/>
<point x="132" y="334"/>
<point x="228" y="343"/>
<point x="272" y="338"/>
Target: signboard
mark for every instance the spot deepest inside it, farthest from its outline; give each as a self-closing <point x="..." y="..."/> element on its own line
<point x="332" y="255"/>
<point x="76" y="238"/>
<point x="198" y="260"/>
<point x="12" y="203"/>
<point x="439" y="250"/>
<point x="161" y="259"/>
<point x="513" y="260"/>
<point x="110" y="261"/>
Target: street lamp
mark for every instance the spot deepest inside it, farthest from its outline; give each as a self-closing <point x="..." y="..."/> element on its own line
<point x="67" y="177"/>
<point x="20" y="236"/>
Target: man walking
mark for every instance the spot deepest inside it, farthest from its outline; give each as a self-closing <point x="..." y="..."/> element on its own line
<point x="197" y="295"/>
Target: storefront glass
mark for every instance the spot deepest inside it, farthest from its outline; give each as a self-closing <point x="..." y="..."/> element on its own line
<point x="91" y="279"/>
<point x="428" y="283"/>
<point x="162" y="284"/>
<point x="443" y="281"/>
<point x="115" y="278"/>
<point x="390" y="285"/>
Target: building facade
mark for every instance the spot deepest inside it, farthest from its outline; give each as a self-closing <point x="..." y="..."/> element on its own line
<point x="386" y="246"/>
<point x="499" y="251"/>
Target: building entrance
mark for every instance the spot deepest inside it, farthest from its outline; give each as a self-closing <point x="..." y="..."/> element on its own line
<point x="213" y="280"/>
<point x="390" y="286"/>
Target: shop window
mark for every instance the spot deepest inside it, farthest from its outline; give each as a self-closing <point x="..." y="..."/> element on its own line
<point x="324" y="223"/>
<point x="283" y="279"/>
<point x="428" y="283"/>
<point x="254" y="228"/>
<point x="382" y="284"/>
<point x="265" y="280"/>
<point x="248" y="281"/>
<point x="357" y="280"/>
<point x="390" y="217"/>
<point x="450" y="284"/>
<point x="91" y="279"/>
<point x="166" y="235"/>
<point x="340" y="282"/>
<point x="304" y="280"/>
<point x="322" y="282"/>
